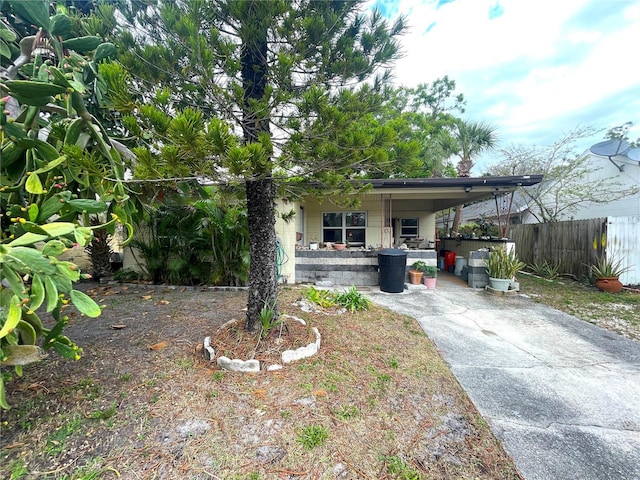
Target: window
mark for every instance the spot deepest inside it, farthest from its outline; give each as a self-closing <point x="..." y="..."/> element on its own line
<point x="348" y="227"/>
<point x="409" y="227"/>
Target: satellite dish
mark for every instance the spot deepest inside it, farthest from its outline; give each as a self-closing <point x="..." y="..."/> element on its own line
<point x="633" y="154"/>
<point x="610" y="148"/>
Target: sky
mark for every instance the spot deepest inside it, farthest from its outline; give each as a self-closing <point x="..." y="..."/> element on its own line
<point x="534" y="69"/>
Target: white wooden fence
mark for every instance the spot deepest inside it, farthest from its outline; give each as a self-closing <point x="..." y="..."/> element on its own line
<point x="623" y="240"/>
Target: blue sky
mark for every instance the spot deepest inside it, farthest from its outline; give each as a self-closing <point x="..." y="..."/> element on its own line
<point x="535" y="69"/>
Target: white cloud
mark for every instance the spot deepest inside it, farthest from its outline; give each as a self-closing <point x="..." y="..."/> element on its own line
<point x="536" y="69"/>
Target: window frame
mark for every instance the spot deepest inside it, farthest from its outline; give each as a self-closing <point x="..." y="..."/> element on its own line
<point x="416" y="227"/>
<point x="344" y="229"/>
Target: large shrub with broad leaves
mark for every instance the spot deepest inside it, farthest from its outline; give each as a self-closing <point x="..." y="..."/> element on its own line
<point x="58" y="168"/>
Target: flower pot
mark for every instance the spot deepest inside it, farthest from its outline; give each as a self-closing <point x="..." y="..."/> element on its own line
<point x="415" y="277"/>
<point x="609" y="284"/>
<point x="313" y="246"/>
<point x="430" y="282"/>
<point x="501" y="284"/>
<point x="339" y="246"/>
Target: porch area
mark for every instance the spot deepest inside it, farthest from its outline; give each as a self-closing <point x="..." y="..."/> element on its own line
<point x="350" y="266"/>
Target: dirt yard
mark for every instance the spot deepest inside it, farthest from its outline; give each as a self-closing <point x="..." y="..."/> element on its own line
<point x="377" y="401"/>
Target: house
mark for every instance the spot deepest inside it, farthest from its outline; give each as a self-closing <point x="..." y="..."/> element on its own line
<point x="621" y="172"/>
<point x="621" y="214"/>
<point x="393" y="212"/>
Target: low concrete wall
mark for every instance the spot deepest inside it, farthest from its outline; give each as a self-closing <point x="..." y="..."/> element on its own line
<point x="462" y="246"/>
<point x="349" y="267"/>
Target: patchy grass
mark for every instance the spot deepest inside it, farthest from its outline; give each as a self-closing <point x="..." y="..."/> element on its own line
<point x="618" y="312"/>
<point x="377" y="402"/>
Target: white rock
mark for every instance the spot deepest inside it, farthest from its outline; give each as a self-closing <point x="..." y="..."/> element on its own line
<point x="237" y="365"/>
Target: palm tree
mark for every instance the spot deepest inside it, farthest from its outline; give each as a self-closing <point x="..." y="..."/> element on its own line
<point x="466" y="141"/>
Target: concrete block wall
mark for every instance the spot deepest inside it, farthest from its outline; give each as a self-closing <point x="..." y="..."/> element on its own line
<point x="359" y="268"/>
<point x="477" y="270"/>
<point x="349" y="267"/>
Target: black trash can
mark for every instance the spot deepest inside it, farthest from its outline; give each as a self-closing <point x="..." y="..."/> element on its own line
<point x="392" y="263"/>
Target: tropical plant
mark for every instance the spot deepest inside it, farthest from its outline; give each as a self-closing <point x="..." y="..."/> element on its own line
<point x="608" y="264"/>
<point x="352" y="300"/>
<point x="59" y="166"/>
<point x="419" y="266"/>
<point x="418" y="115"/>
<point x="99" y="250"/>
<point x="268" y="320"/>
<point x="503" y="264"/>
<point x="608" y="267"/>
<point x="194" y="241"/>
<point x="545" y="270"/>
<point x="324" y="298"/>
<point x="466" y="141"/>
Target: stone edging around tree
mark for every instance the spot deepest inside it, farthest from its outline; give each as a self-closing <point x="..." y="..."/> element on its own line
<point x="253" y="366"/>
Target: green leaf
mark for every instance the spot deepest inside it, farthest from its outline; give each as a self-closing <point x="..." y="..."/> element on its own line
<point x="33" y="212"/>
<point x="5" y="51"/>
<point x="33" y="227"/>
<point x="50" y="207"/>
<point x="37" y="293"/>
<point x="34" y="320"/>
<point x="82" y="44"/>
<point x="69" y="270"/>
<point x="66" y="351"/>
<point x="85" y="304"/>
<point x="58" y="229"/>
<point x="27" y="239"/>
<point x="54" y="333"/>
<point x="63" y="283"/>
<point x="13" y="316"/>
<point x="52" y="294"/>
<point x="55" y="162"/>
<point x="33" y="259"/>
<point x="6" y="34"/>
<point x="35" y="11"/>
<point x="27" y="333"/>
<point x="86" y="205"/>
<point x="83" y="236"/>
<point x="3" y="399"/>
<point x="53" y="248"/>
<point x="61" y="26"/>
<point x="15" y="282"/>
<point x="34" y="185"/>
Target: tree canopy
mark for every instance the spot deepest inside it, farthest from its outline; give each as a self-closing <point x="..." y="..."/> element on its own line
<point x="289" y="78"/>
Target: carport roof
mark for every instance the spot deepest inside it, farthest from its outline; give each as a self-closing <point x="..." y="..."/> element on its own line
<point x="449" y="192"/>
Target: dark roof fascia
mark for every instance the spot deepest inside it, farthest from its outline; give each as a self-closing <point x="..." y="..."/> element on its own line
<point x="502" y="181"/>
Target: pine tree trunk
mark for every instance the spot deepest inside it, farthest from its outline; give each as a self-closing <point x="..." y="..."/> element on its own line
<point x="259" y="184"/>
<point x="262" y="247"/>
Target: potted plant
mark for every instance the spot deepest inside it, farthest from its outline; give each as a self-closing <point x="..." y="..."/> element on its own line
<point x="501" y="268"/>
<point x="429" y="279"/>
<point x="416" y="272"/>
<point x="607" y="271"/>
<point x="339" y="246"/>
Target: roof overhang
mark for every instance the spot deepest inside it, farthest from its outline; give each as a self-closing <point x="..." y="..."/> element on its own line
<point x="450" y="192"/>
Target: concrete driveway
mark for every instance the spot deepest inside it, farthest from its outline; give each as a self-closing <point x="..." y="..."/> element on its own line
<point x="561" y="394"/>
